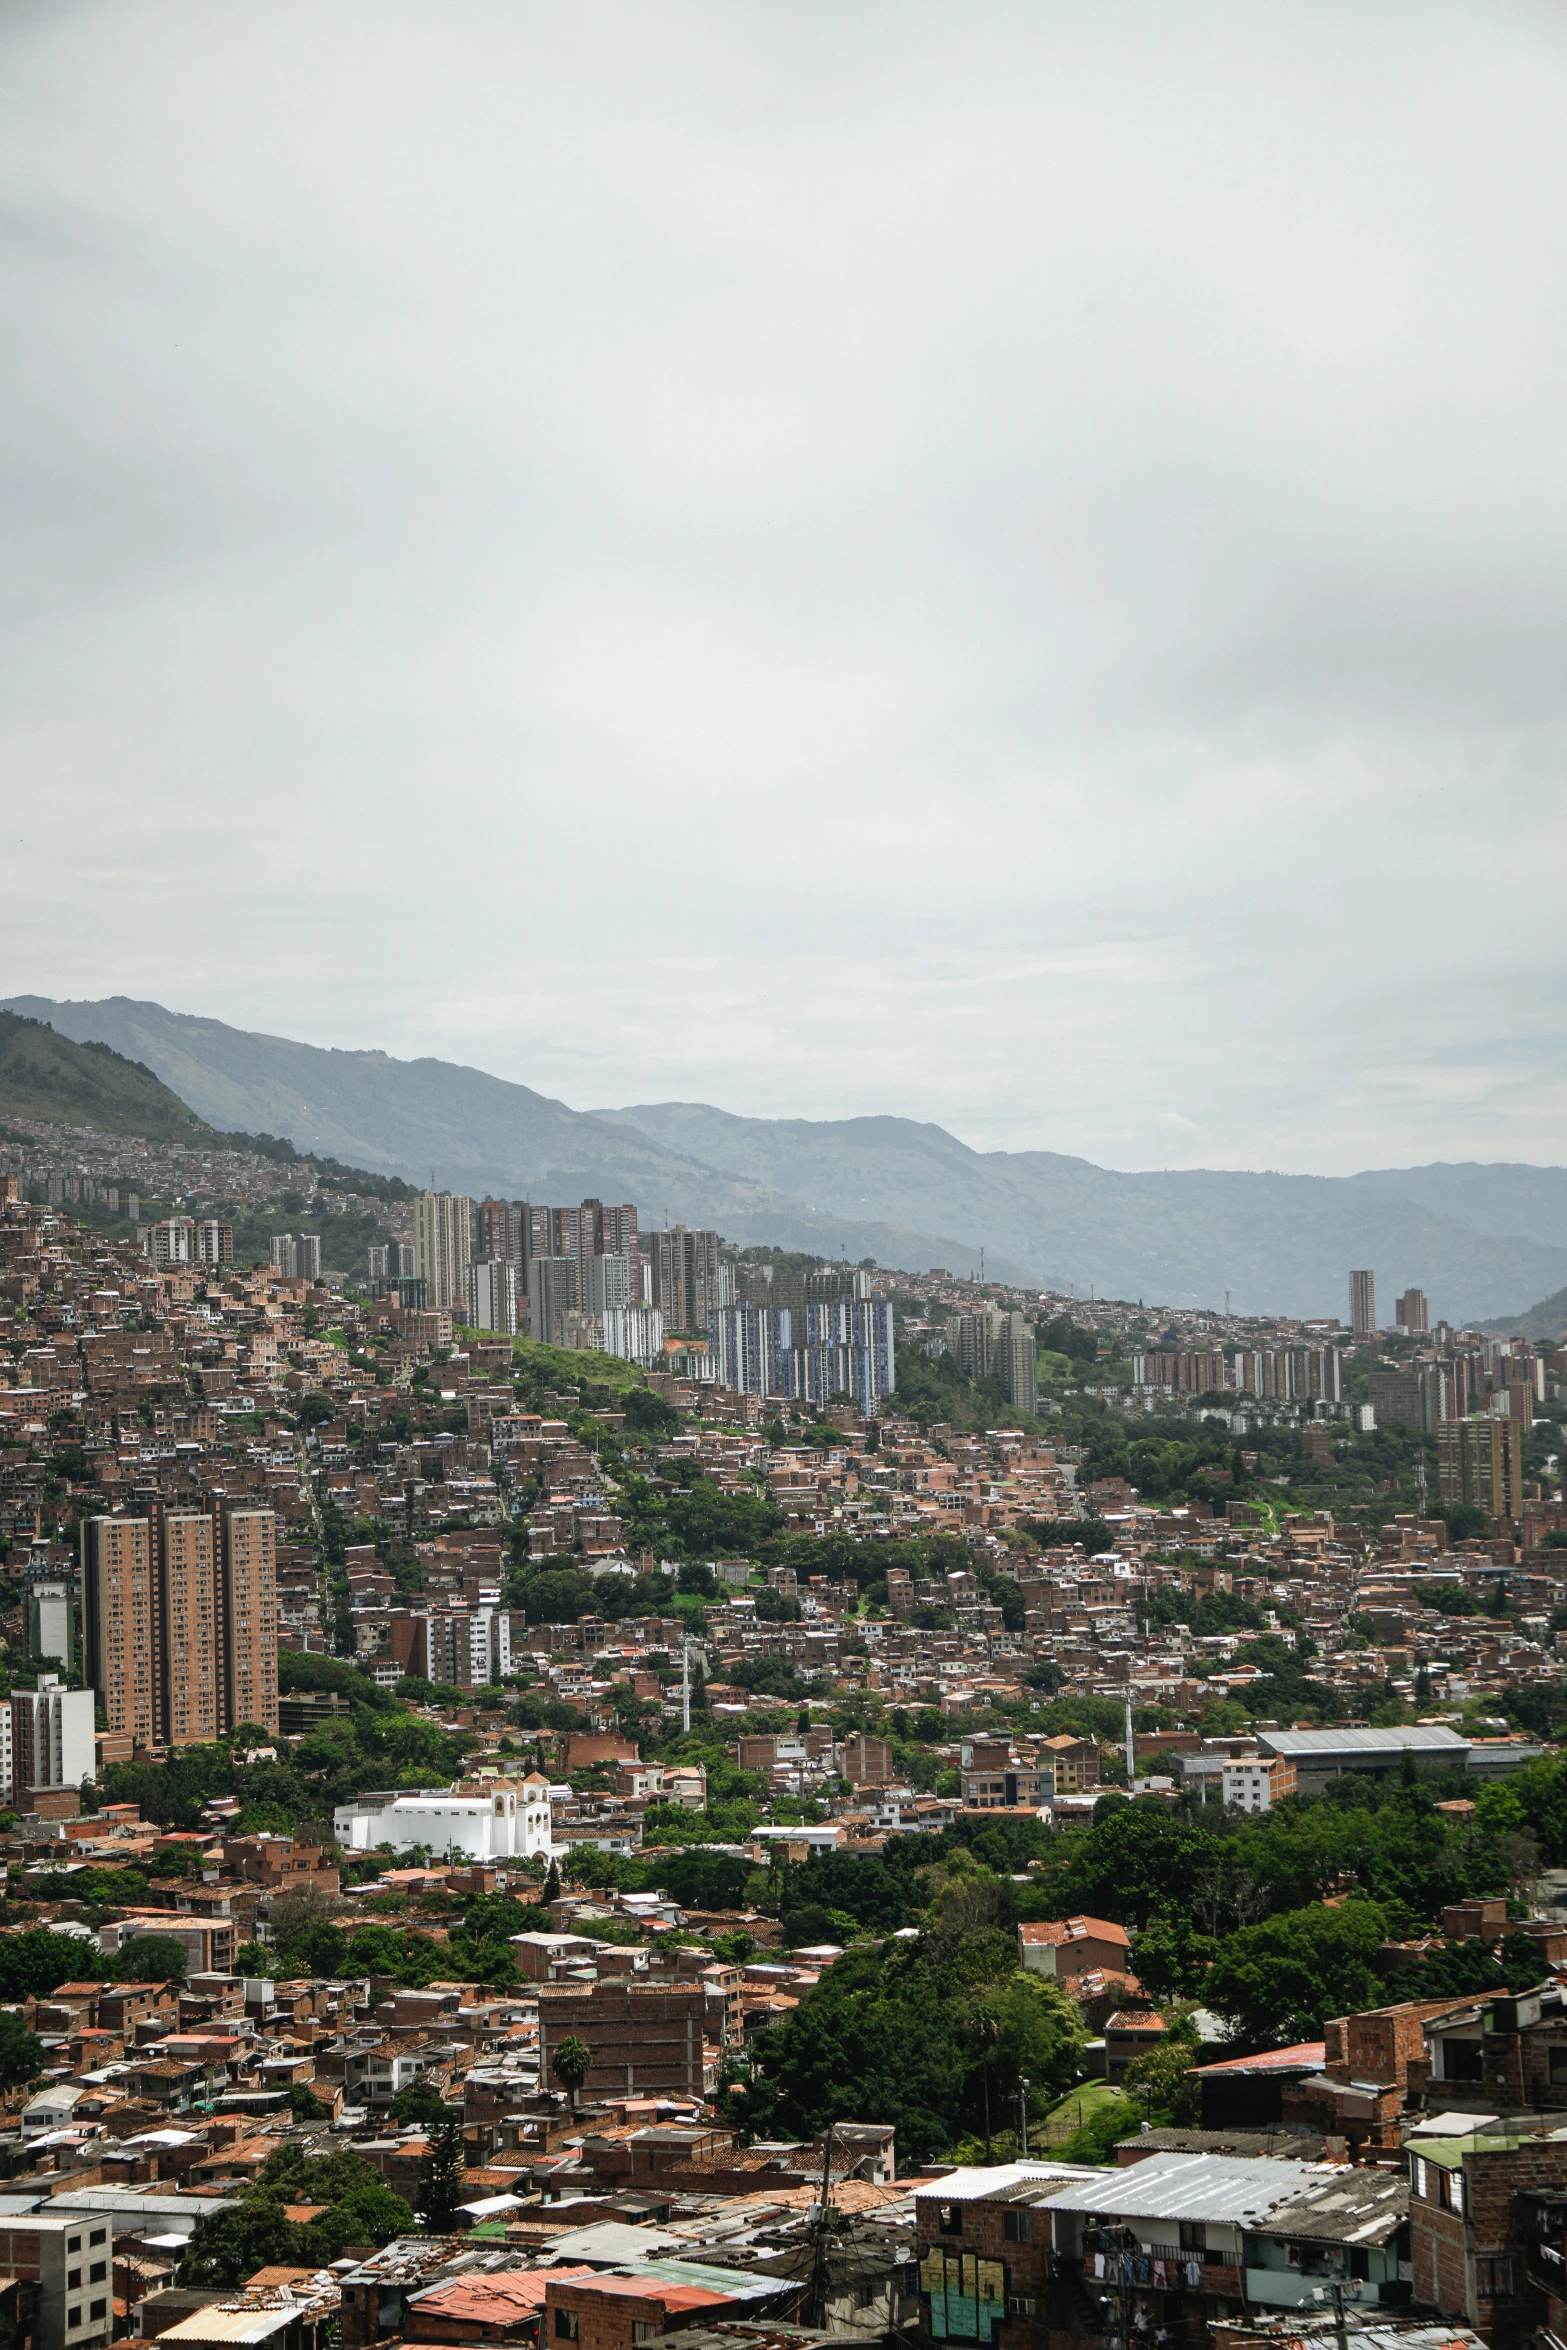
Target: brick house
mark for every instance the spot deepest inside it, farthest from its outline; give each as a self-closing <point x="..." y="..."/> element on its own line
<point x="618" y="2309"/>
<point x="985" y="2251"/>
<point x="1063" y="1947"/>
<point x="1480" y="2229"/>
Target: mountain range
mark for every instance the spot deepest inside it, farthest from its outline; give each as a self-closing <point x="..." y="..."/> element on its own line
<point x="1482" y="1241"/>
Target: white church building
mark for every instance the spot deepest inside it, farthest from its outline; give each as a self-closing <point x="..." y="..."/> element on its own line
<point x="509" y="1821"/>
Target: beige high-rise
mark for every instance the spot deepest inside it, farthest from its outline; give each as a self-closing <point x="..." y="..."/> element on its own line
<point x="248" y="1602"/>
<point x="117" y="1587"/>
<point x="443" y="1247"/>
<point x="187" y="1591"/>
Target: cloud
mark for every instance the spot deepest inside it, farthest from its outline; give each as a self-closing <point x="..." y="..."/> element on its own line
<point x="1005" y="566"/>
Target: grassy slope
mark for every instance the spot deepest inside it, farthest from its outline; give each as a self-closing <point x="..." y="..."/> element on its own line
<point x="44" y="1075"/>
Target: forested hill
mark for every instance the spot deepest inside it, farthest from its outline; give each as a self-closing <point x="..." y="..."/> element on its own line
<point x="46" y="1075"/>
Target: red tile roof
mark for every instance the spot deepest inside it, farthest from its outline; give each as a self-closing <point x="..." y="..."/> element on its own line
<point x="1304" y="2056"/>
<point x="1056" y="1931"/>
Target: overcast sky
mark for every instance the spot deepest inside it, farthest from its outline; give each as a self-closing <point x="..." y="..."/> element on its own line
<point x="1001" y="564"/>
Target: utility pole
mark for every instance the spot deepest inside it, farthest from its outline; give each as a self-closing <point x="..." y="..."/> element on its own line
<point x="1022" y="2113"/>
<point x="1131" y="1748"/>
<point x="1339" y="2327"/>
<point x="819" y="2265"/>
<point x="685" y="1684"/>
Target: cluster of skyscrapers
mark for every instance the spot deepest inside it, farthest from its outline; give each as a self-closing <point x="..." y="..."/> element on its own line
<point x="1283" y="1374"/>
<point x="586" y="1277"/>
<point x="580" y="1276"/>
<point x="808" y="1337"/>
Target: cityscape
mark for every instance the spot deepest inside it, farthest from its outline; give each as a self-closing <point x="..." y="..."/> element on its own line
<point x="783" y="1188"/>
<point x="478" y="1711"/>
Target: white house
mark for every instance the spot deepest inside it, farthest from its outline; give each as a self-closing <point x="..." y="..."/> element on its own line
<point x="497" y="1823"/>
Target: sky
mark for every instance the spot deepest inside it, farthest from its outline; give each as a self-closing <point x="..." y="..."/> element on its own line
<point x="998" y="564"/>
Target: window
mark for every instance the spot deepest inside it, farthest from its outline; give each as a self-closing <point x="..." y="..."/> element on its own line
<point x="949" y="2219"/>
<point x="1018" y="2226"/>
<point x="565" y="2325"/>
<point x="1558" y="2063"/>
<point x="97" y="2236"/>
<point x="642" y="2331"/>
<point x="1194" y="2236"/>
<point x="73" y="2282"/>
<point x="1455" y="2191"/>
<point x="97" y="2273"/>
<point x="97" y="2310"/>
<point x="1420" y="2179"/>
<point x="1462" y="2060"/>
<point x="73" y="2317"/>
<point x="73" y="2244"/>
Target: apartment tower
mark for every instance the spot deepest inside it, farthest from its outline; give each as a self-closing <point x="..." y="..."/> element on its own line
<point x="443" y="1248"/>
<point x="1363" y="1304"/>
<point x="181" y="1621"/>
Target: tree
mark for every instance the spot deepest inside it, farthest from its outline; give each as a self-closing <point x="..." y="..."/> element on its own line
<point x="38" y="1962"/>
<point x="419" y="2103"/>
<point x="552" y="1884"/>
<point x="571" y="2064"/>
<point x="148" y="1958"/>
<point x="232" y="2244"/>
<point x="1164" y="2077"/>
<point x="373" y="2215"/>
<point x="1278" y="1982"/>
<point x="443" y="2175"/>
<point x="22" y="2057"/>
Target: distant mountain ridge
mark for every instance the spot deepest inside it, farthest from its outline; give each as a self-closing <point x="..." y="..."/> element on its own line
<point x="1481" y="1241"/>
<point x="48" y="1076"/>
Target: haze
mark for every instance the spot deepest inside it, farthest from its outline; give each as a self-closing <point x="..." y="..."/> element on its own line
<point x="998" y="564"/>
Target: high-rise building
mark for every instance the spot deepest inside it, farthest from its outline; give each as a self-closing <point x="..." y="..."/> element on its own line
<point x="609" y="1284"/>
<point x="186" y="1691"/>
<point x="1412" y="1313"/>
<point x="1480" y="1461"/>
<point x="120" y="1641"/>
<point x="975" y="1338"/>
<point x="171" y="1243"/>
<point x="50" y="1621"/>
<point x="501" y="1230"/>
<point x="1363" y="1304"/>
<point x="297" y="1255"/>
<point x="552" y="1295"/>
<point x="377" y="1258"/>
<point x="635" y="1333"/>
<point x="1017" y="1363"/>
<point x="181" y="1621"/>
<point x="492" y="1295"/>
<point x="443" y="1247"/>
<point x="688" y="1277"/>
<point x="52" y="1738"/>
<point x="214" y="1243"/>
<point x="247" y="1616"/>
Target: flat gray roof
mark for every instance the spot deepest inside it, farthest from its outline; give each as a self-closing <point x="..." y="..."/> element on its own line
<point x="1308" y="1745"/>
<point x="1188" y="2186"/>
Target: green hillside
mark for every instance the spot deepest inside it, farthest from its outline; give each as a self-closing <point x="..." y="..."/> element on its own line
<point x="1546" y="1321"/>
<point x="45" y="1075"/>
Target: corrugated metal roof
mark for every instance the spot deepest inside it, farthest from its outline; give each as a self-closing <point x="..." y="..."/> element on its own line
<point x="1302" y="1745"/>
<point x="988" y="2183"/>
<point x="1345" y="2207"/>
<point x="1188" y="2186"/>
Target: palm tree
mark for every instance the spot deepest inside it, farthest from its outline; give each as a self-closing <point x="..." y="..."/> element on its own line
<point x="981" y="2029"/>
<point x="571" y="2064"/>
